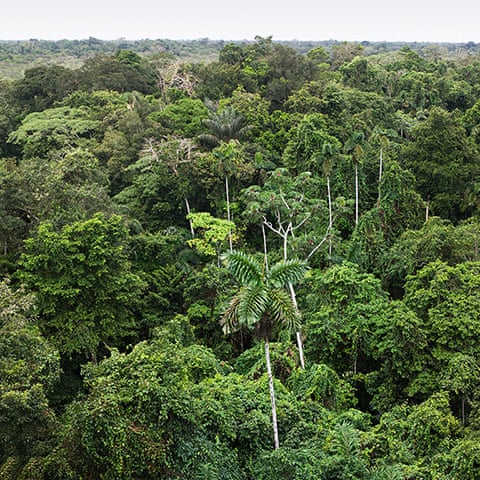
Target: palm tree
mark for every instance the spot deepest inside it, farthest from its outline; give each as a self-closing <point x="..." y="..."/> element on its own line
<point x="263" y="304"/>
<point x="226" y="126"/>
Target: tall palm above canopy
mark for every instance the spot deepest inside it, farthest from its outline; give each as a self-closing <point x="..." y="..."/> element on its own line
<point x="223" y="125"/>
<point x="226" y="126"/>
<point x="263" y="304"/>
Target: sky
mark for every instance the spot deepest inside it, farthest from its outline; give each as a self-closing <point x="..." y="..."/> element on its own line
<point x="345" y="20"/>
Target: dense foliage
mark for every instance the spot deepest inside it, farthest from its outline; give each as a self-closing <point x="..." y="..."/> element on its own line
<point x="192" y="252"/>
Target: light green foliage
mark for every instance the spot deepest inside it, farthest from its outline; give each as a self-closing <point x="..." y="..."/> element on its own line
<point x="54" y="128"/>
<point x="85" y="289"/>
<point x="213" y="233"/>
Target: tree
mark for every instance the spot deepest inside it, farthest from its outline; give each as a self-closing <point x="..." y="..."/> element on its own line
<point x="355" y="147"/>
<point x="263" y="304"/>
<point x="54" y="129"/>
<point x="29" y="371"/>
<point x="212" y="233"/>
<point x="86" y="291"/>
<point x="224" y="125"/>
<point x="447" y="300"/>
<point x="443" y="162"/>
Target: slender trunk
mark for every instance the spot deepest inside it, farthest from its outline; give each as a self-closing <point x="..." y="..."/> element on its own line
<point x="380" y="173"/>
<point x="330" y="216"/>
<point x="356" y="193"/>
<point x="298" y="333"/>
<point x="463" y="410"/>
<point x="187" y="206"/>
<point x="265" y="256"/>
<point x="227" y="194"/>
<point x="293" y="297"/>
<point x="272" y="394"/>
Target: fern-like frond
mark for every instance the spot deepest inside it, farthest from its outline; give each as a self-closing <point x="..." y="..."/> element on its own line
<point x="282" y="310"/>
<point x="253" y="304"/>
<point x="246" y="308"/>
<point x="285" y="272"/>
<point x="245" y="268"/>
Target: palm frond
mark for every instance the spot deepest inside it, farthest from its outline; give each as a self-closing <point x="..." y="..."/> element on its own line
<point x="253" y="304"/>
<point x="246" y="308"/>
<point x="230" y="319"/>
<point x="208" y="140"/>
<point x="282" y="310"/>
<point x="285" y="272"/>
<point x="245" y="268"/>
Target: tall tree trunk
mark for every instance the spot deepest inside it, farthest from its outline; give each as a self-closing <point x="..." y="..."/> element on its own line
<point x="187" y="206"/>
<point x="227" y="194"/>
<point x="272" y="394"/>
<point x="293" y="296"/>
<point x="330" y="216"/>
<point x="380" y="173"/>
<point x="265" y="256"/>
<point x="356" y="193"/>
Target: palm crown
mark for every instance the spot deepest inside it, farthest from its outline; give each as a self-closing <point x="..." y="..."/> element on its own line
<point x="262" y="301"/>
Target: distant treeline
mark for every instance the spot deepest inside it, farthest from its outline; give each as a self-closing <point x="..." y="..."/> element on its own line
<point x="18" y="55"/>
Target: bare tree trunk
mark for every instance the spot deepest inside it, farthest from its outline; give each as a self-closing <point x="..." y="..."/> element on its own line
<point x="265" y="256"/>
<point x="380" y="173"/>
<point x="227" y="194"/>
<point x="187" y="206"/>
<point x="330" y="216"/>
<point x="298" y="333"/>
<point x="272" y="395"/>
<point x="356" y="193"/>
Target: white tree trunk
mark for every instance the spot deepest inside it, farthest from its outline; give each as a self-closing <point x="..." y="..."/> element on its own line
<point x="356" y="193"/>
<point x="227" y="194"/>
<point x="265" y="256"/>
<point x="298" y="333"/>
<point x="187" y="206"/>
<point x="272" y="394"/>
<point x="380" y="173"/>
<point x="330" y="216"/>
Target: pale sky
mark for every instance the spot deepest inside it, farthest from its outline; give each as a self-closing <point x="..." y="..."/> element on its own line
<point x="350" y="20"/>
